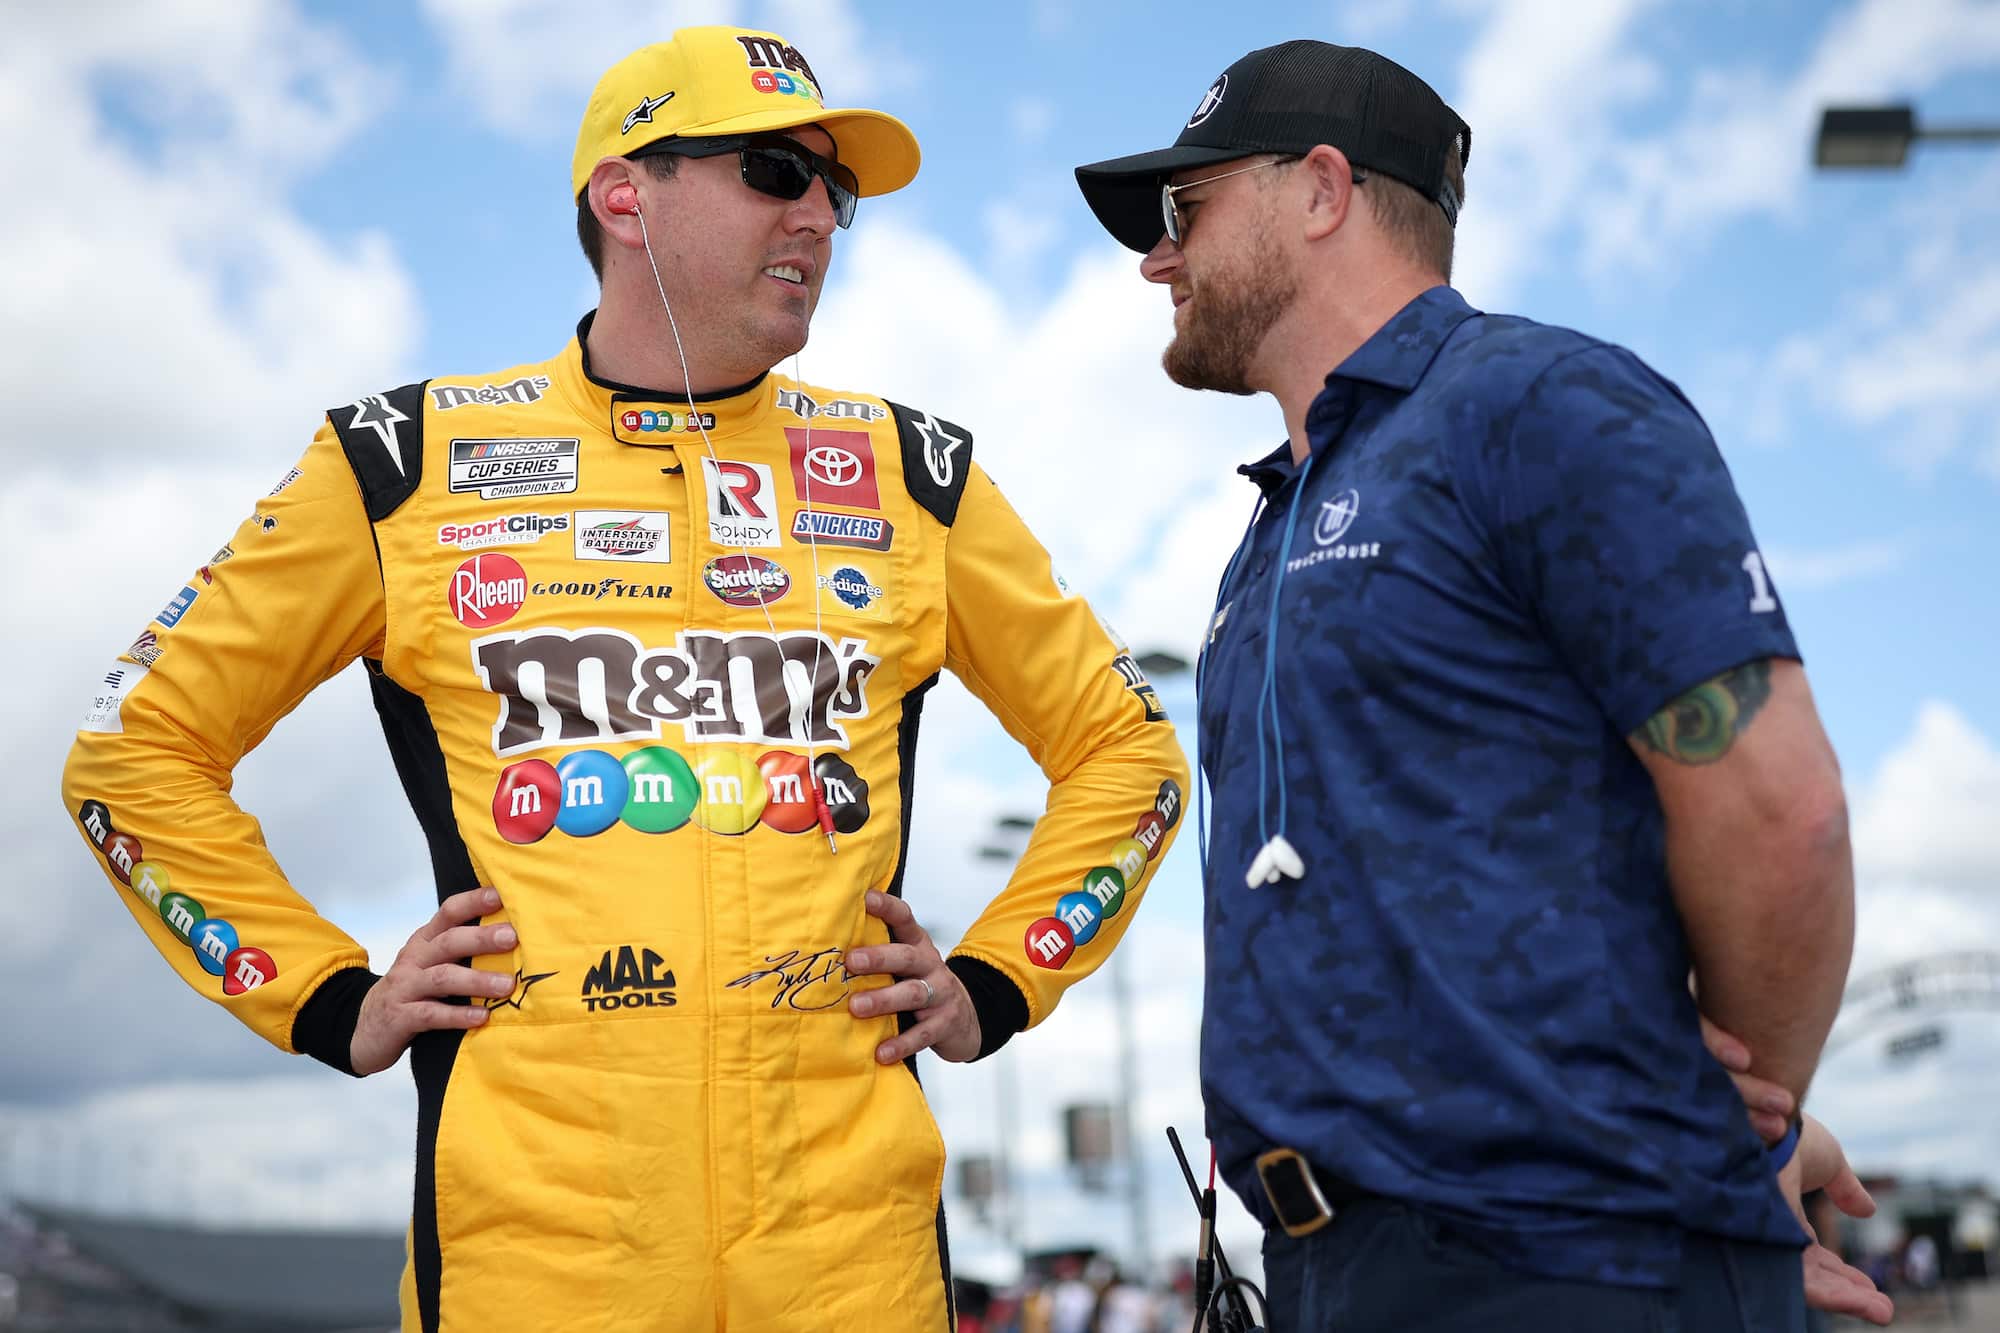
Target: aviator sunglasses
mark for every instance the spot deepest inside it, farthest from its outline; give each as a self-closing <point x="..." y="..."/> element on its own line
<point x="1170" y="208"/>
<point x="780" y="167"/>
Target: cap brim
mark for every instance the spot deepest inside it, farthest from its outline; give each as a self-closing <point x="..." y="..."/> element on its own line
<point x="878" y="148"/>
<point x="1124" y="192"/>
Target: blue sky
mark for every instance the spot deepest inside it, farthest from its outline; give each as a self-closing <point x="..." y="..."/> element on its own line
<point x="228" y="216"/>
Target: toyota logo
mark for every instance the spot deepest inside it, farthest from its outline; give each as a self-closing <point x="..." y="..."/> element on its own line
<point x="833" y="465"/>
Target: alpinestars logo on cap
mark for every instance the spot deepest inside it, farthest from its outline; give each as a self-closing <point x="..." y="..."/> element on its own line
<point x="1209" y="101"/>
<point x="642" y="114"/>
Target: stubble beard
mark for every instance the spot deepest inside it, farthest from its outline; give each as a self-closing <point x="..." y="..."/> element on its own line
<point x="768" y="341"/>
<point x="1228" y="315"/>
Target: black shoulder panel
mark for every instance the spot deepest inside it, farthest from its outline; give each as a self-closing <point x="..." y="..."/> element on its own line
<point x="937" y="456"/>
<point x="383" y="437"/>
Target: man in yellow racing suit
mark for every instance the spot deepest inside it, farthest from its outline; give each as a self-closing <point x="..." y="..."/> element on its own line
<point x="650" y="663"/>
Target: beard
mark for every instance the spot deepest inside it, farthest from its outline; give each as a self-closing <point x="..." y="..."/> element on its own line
<point x="1229" y="311"/>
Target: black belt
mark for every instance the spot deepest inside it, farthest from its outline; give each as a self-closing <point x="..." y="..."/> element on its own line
<point x="1303" y="1199"/>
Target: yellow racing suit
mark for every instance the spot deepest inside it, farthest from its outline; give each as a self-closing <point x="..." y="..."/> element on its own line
<point x="636" y="663"/>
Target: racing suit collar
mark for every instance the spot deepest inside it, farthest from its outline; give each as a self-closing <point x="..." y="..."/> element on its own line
<point x="633" y="414"/>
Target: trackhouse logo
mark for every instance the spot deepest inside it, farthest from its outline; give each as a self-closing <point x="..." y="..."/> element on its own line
<point x="560" y="687"/>
<point x="1210" y="100"/>
<point x="1335" y="517"/>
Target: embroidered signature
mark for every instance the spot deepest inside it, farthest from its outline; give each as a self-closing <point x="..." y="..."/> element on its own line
<point x="806" y="981"/>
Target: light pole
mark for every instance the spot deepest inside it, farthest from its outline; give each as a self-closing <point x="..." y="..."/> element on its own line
<point x="1008" y="833"/>
<point x="1008" y="1108"/>
<point x="1880" y="136"/>
<point x="1128" y="1114"/>
<point x="1157" y="664"/>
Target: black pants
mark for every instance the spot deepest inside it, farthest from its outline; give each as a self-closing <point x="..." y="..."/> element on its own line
<point x="1383" y="1267"/>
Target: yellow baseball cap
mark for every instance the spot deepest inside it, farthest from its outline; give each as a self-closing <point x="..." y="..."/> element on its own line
<point x="722" y="80"/>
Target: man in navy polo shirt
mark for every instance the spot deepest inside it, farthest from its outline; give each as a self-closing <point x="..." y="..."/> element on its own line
<point x="1507" y="736"/>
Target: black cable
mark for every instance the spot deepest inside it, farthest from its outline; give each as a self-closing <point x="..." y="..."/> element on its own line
<point x="1263" y="1311"/>
<point x="1235" y="1315"/>
<point x="1204" y="1260"/>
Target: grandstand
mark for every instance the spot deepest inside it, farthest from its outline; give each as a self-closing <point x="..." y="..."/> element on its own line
<point x="84" y="1273"/>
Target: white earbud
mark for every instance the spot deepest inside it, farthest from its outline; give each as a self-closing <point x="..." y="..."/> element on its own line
<point x="1277" y="860"/>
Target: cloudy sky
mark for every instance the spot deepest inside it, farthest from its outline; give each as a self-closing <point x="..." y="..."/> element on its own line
<point x="223" y="216"/>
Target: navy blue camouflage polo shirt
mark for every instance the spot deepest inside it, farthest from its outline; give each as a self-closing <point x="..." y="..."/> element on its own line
<point x="1513" y="545"/>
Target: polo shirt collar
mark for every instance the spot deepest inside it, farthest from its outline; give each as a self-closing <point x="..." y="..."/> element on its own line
<point x="1397" y="354"/>
<point x="1395" y="357"/>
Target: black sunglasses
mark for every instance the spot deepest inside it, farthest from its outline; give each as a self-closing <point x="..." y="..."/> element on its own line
<point x="780" y="167"/>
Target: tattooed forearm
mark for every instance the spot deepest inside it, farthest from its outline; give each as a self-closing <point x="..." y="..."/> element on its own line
<point x="1701" y="725"/>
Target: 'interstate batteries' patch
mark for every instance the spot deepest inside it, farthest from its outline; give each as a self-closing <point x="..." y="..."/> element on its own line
<point x="498" y="469"/>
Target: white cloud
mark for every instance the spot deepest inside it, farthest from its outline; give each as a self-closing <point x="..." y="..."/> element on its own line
<point x="1928" y="817"/>
<point x="1909" y="359"/>
<point x="1612" y="162"/>
<point x="1746" y="144"/>
<point x="1927" y="854"/>
<point x="1797" y="568"/>
<point x="526" y="67"/>
<point x="1369" y="21"/>
<point x="855" y="63"/>
<point x="172" y="323"/>
<point x="1031" y="118"/>
<point x="316" y="779"/>
<point x="254" y="84"/>
<point x="1913" y="361"/>
<point x="1538" y="142"/>
<point x="1914" y="1116"/>
<point x="1018" y="236"/>
<point x="164" y="295"/>
<point x="1562" y="151"/>
<point x="1051" y="18"/>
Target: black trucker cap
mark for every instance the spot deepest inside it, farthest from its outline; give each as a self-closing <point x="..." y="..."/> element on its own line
<point x="1291" y="98"/>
